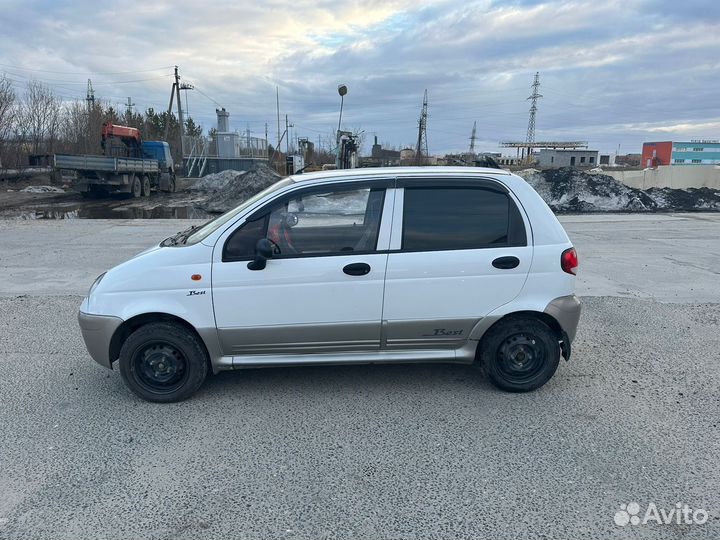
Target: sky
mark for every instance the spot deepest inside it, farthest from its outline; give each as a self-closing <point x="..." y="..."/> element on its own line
<point x="614" y="73"/>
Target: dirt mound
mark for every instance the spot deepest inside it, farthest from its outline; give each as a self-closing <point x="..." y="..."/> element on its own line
<point x="568" y="190"/>
<point x="216" y="181"/>
<point x="236" y="187"/>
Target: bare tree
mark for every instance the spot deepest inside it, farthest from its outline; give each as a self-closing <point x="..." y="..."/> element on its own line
<point x="39" y="118"/>
<point x="7" y="113"/>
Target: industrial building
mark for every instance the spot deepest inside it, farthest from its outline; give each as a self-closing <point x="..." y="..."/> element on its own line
<point x="555" y="157"/>
<point x="693" y="152"/>
<point x="226" y="150"/>
<point x="381" y="157"/>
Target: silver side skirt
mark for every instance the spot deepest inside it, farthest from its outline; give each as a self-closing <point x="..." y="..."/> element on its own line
<point x="463" y="355"/>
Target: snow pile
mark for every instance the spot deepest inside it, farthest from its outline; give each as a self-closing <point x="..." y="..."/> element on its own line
<point x="238" y="188"/>
<point x="216" y="181"/>
<point x="42" y="189"/>
<point x="570" y="190"/>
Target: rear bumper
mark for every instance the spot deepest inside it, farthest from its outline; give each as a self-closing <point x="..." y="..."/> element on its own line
<point x="97" y="331"/>
<point x="566" y="311"/>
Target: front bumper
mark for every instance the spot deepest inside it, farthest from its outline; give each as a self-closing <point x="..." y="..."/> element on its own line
<point x="566" y="311"/>
<point x="97" y="331"/>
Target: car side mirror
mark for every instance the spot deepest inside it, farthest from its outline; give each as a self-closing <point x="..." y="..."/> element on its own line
<point x="263" y="252"/>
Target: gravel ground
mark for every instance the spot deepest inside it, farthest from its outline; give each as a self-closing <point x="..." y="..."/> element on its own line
<point x="407" y="452"/>
<point x="368" y="451"/>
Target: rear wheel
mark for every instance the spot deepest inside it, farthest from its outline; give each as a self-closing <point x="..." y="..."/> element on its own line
<point x="163" y="362"/>
<point x="520" y="355"/>
<point x="135" y="187"/>
<point x="146" y="186"/>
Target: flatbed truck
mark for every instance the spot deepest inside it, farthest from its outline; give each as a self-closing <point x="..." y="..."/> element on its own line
<point x="134" y="167"/>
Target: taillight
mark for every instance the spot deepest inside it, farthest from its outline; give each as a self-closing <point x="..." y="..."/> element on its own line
<point x="569" y="261"/>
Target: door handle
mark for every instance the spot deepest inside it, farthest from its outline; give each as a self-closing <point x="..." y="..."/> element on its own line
<point x="357" y="269"/>
<point x="506" y="263"/>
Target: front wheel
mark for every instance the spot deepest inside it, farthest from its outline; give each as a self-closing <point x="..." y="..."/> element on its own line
<point x="171" y="185"/>
<point x="520" y="355"/>
<point x="163" y="362"/>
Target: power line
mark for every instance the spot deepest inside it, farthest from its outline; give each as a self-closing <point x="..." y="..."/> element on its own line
<point x="86" y="72"/>
<point x="104" y="83"/>
<point x="204" y="94"/>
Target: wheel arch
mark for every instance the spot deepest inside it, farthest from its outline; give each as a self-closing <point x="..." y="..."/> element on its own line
<point x="481" y="330"/>
<point x="133" y="323"/>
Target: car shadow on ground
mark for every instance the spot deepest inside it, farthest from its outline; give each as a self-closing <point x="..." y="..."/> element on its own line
<point x="320" y="380"/>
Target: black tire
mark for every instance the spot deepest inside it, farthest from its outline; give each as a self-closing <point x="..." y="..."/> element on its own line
<point x="520" y="354"/>
<point x="146" y="186"/>
<point x="172" y="185"/>
<point x="135" y="187"/>
<point x="163" y="362"/>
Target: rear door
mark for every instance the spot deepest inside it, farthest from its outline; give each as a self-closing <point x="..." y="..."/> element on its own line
<point x="322" y="290"/>
<point x="459" y="250"/>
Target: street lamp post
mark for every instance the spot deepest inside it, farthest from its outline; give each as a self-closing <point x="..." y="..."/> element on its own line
<point x="342" y="90"/>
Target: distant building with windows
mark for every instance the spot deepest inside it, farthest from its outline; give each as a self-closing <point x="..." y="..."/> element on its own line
<point x="552" y="157"/>
<point x="694" y="152"/>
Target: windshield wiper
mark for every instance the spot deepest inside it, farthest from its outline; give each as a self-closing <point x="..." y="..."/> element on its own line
<point x="183" y="236"/>
<point x="178" y="238"/>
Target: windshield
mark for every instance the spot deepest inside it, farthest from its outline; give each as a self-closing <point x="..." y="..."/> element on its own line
<point x="206" y="230"/>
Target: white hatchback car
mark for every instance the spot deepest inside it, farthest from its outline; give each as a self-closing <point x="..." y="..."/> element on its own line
<point x="461" y="265"/>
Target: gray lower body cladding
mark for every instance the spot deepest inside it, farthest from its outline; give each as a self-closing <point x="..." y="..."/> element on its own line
<point x="97" y="331"/>
<point x="441" y="340"/>
<point x="566" y="311"/>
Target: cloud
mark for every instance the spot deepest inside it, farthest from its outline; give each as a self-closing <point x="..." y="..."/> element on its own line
<point x="611" y="72"/>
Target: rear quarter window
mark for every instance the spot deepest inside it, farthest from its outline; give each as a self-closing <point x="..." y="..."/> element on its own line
<point x="447" y="218"/>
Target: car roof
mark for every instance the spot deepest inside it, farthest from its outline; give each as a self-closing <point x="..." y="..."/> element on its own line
<point x="392" y="172"/>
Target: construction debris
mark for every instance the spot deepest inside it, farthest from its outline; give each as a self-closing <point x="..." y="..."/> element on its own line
<point x="569" y="190"/>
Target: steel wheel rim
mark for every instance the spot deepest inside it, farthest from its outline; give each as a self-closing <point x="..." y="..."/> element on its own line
<point x="521" y="357"/>
<point x="160" y="367"/>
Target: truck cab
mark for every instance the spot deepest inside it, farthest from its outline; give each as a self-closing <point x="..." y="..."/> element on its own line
<point x="159" y="150"/>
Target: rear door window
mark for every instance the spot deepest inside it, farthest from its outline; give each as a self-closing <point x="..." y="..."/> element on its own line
<point x="447" y="218"/>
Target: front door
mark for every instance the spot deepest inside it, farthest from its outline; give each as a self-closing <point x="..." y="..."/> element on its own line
<point x="460" y="253"/>
<point x="322" y="289"/>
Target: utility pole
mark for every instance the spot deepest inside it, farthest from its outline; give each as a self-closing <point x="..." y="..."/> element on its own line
<point x="169" y="111"/>
<point x="277" y="104"/>
<point x="266" y="139"/>
<point x="181" y="120"/>
<point x="472" y="138"/>
<point x="287" y="145"/>
<point x="421" y="148"/>
<point x="530" y="139"/>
